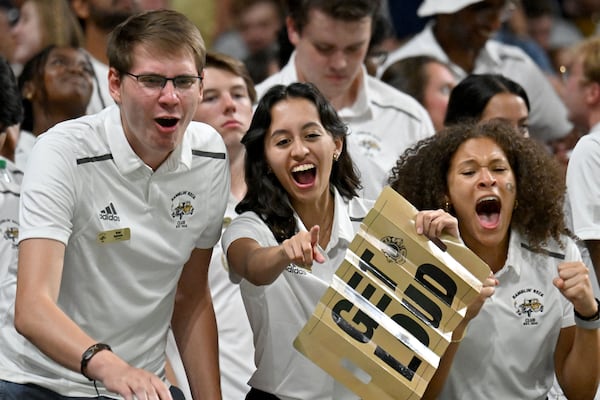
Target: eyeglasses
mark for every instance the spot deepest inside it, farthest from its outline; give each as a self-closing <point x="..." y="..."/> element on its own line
<point x="156" y="82"/>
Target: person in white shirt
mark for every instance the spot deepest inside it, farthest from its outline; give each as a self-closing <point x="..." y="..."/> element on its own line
<point x="582" y="97"/>
<point x="296" y="222"/>
<point x="461" y="35"/>
<point x="119" y="213"/>
<point x="382" y="121"/>
<point x="99" y="18"/>
<point x="11" y="114"/>
<point x="542" y="320"/>
<point x="226" y="105"/>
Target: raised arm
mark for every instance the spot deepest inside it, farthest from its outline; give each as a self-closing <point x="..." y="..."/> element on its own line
<point x="43" y="323"/>
<point x="577" y="356"/>
<point x="262" y="265"/>
<point x="195" y="328"/>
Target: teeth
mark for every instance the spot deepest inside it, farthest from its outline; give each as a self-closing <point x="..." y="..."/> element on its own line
<point x="488" y="198"/>
<point x="303" y="167"/>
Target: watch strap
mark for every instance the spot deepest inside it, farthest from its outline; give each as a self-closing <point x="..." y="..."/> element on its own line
<point x="591" y="322"/>
<point x="89" y="353"/>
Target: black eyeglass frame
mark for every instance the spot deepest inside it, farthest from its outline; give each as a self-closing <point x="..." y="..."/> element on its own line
<point x="161" y="81"/>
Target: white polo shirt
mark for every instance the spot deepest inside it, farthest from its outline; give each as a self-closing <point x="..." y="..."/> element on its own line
<point x="279" y="311"/>
<point x="383" y="122"/>
<point x="548" y="116"/>
<point x="236" y="347"/>
<point x="128" y="232"/>
<point x="9" y="237"/>
<point x="508" y="350"/>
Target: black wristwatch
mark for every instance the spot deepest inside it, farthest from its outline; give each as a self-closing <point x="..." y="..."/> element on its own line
<point x="89" y="353"/>
<point x="594" y="317"/>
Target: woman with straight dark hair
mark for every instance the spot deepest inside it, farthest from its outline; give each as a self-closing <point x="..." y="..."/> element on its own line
<point x="482" y="97"/>
<point x="300" y="207"/>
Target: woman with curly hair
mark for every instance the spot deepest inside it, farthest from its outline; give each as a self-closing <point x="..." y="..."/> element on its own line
<point x="507" y="195"/>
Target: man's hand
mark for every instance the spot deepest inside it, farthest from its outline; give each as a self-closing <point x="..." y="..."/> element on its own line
<point x="125" y="380"/>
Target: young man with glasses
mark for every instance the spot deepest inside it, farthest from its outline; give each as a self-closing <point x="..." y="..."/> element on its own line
<point x="461" y="35"/>
<point x="120" y="213"/>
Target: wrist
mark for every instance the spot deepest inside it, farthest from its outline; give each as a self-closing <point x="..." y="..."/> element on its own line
<point x="90" y="353"/>
<point x="590" y="316"/>
<point x="589" y="321"/>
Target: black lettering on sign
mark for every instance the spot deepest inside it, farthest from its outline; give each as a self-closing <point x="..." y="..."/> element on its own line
<point x="435" y="313"/>
<point x="365" y="336"/>
<point x="439" y="276"/>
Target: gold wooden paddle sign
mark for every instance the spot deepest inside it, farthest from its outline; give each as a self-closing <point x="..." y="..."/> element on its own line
<point x="388" y="316"/>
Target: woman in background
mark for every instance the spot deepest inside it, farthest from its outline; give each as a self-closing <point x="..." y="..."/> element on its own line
<point x="56" y="85"/>
<point x="42" y="23"/>
<point x="489" y="96"/>
<point x="426" y="79"/>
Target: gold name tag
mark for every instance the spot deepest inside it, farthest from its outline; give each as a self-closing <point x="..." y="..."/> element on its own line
<point x="116" y="235"/>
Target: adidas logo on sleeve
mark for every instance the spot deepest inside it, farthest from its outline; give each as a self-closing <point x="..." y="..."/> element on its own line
<point x="109" y="213"/>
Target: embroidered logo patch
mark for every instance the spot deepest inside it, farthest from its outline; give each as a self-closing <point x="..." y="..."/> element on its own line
<point x="529" y="304"/>
<point x="10" y="231"/>
<point x="182" y="206"/>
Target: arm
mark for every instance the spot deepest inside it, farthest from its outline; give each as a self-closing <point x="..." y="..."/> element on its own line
<point x="432" y="223"/>
<point x="195" y="329"/>
<point x="436" y="384"/>
<point x="262" y="265"/>
<point x="43" y="323"/>
<point x="594" y="248"/>
<point x="577" y="355"/>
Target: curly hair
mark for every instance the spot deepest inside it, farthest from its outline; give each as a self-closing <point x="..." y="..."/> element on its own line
<point x="266" y="196"/>
<point x="420" y="175"/>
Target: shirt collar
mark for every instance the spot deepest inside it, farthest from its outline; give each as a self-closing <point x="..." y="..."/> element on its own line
<point x="513" y="258"/>
<point x="488" y="56"/>
<point x="361" y="106"/>
<point x="342" y="228"/>
<point x="126" y="159"/>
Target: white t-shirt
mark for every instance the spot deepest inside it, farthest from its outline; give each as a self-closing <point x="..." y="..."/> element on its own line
<point x="277" y="312"/>
<point x="128" y="231"/>
<point x="508" y="350"/>
<point x="583" y="185"/>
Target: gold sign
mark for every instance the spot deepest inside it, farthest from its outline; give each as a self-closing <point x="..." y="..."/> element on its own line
<point x="388" y="316"/>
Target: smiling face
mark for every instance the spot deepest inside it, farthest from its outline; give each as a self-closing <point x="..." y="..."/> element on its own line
<point x="155" y="119"/>
<point x="510" y="108"/>
<point x="225" y="105"/>
<point x="68" y="78"/>
<point x="474" y="25"/>
<point x="331" y="58"/>
<point x="482" y="191"/>
<point x="300" y="151"/>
